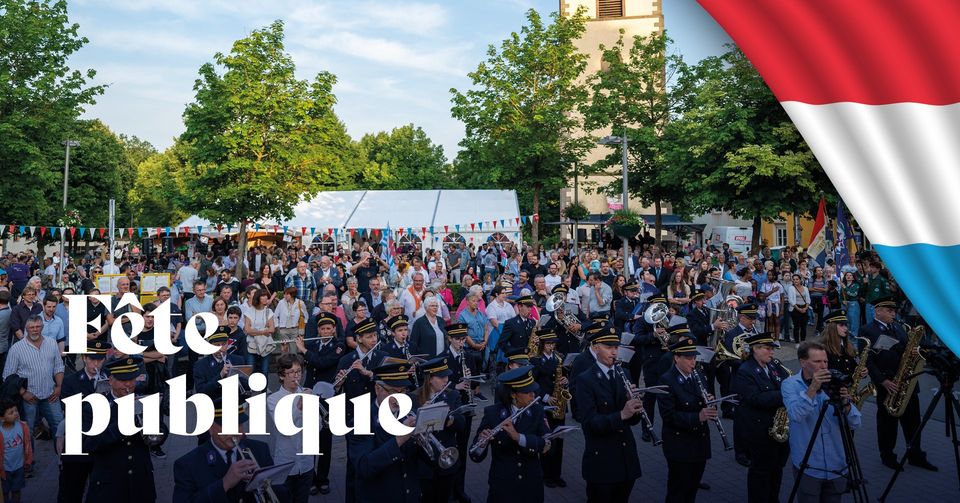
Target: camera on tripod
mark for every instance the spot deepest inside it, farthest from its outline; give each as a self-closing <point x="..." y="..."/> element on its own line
<point x="941" y="360"/>
<point x="837" y="380"/>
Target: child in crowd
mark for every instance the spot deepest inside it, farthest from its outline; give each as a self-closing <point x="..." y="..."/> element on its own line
<point x="16" y="451"/>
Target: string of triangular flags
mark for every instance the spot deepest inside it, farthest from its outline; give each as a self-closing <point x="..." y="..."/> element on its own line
<point x="77" y="232"/>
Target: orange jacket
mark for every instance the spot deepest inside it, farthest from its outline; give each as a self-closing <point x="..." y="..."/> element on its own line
<point x="27" y="450"/>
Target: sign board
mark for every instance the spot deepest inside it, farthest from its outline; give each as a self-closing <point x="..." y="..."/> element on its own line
<point x="107" y="283"/>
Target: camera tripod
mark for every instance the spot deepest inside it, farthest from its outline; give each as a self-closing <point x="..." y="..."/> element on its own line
<point x="947" y="381"/>
<point x="852" y="471"/>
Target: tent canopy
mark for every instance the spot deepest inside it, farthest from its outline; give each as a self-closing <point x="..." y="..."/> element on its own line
<point x="380" y="209"/>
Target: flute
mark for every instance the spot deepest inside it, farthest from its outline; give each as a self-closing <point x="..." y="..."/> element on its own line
<point x="287" y="341"/>
<point x="338" y="381"/>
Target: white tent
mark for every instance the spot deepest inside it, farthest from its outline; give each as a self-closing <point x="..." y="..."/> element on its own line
<point x="434" y="216"/>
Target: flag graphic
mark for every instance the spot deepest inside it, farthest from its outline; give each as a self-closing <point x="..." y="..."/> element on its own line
<point x="817" y="247"/>
<point x="874" y="88"/>
<point x="841" y="255"/>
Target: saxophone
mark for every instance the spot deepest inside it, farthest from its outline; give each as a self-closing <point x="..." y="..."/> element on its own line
<point x="533" y="345"/>
<point x="560" y="393"/>
<point x="910" y="363"/>
<point x="860" y="395"/>
<point x="780" y="430"/>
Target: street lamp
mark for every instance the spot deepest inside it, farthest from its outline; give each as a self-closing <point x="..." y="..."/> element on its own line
<point x="613" y="140"/>
<point x="66" y="175"/>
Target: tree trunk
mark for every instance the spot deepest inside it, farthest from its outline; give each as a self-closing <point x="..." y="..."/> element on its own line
<point x="241" y="250"/>
<point x="755" y="241"/>
<point x="535" y="223"/>
<point x="658" y="223"/>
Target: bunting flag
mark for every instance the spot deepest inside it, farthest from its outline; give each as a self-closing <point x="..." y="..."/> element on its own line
<point x="502" y="221"/>
<point x="43" y="231"/>
<point x="536" y="217"/>
<point x="518" y="220"/>
<point x="480" y="225"/>
<point x="101" y="230"/>
<point x="158" y="231"/>
<point x="313" y="231"/>
<point x="472" y="227"/>
<point x="303" y="231"/>
<point x="458" y="228"/>
<point x="83" y="230"/>
<point x="22" y="228"/>
<point x="837" y="69"/>
<point x="494" y="224"/>
<point x="524" y="219"/>
<point x="32" y="230"/>
<point x="73" y="232"/>
<point x="12" y="227"/>
<point x="257" y="227"/>
<point x="446" y="229"/>
<point x="229" y="227"/>
<point x="285" y="229"/>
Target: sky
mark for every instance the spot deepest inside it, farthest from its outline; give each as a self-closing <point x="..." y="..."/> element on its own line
<point x="395" y="61"/>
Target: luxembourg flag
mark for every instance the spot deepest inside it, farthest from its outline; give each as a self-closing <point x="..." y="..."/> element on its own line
<point x="874" y="87"/>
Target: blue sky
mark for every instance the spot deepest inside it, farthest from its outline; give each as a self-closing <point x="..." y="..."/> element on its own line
<point x="395" y="60"/>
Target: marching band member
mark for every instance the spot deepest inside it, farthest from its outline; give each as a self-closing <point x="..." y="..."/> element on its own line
<point x="74" y="470"/>
<point x="841" y="352"/>
<point x="322" y="358"/>
<point x="883" y="366"/>
<point x="517" y="330"/>
<point x="397" y="330"/>
<point x="515" y="471"/>
<point x="300" y="478"/>
<point x="546" y="372"/>
<point x="217" y="471"/>
<point x="122" y="469"/>
<point x="623" y="312"/>
<point x="685" y="432"/>
<point x="566" y="341"/>
<point x="356" y="378"/>
<point x="208" y="371"/>
<point x="385" y="465"/>
<point x="587" y="358"/>
<point x="650" y="348"/>
<point x="606" y="412"/>
<point x="459" y="360"/>
<point x="758" y="382"/>
<point x="436" y="483"/>
<point x="747" y="316"/>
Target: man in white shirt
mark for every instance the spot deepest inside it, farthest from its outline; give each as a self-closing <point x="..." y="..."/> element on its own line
<point x="412" y="296"/>
<point x="290" y="370"/>
<point x="552" y="279"/>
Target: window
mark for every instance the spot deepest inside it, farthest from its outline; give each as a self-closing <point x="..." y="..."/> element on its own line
<point x="609" y="8"/>
<point x="498" y="237"/>
<point x="453" y="237"/>
<point x="325" y="243"/>
<point x="410" y="243"/>
<point x="780" y="237"/>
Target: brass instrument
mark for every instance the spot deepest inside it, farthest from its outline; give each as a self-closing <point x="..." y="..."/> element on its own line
<point x="561" y="394"/>
<point x="721" y="353"/>
<point x="482" y="443"/>
<point x="657" y="315"/>
<point x="727" y="313"/>
<point x="856" y="393"/>
<point x="636" y="396"/>
<point x="445" y="457"/>
<point x="780" y="430"/>
<point x="263" y="493"/>
<point x="149" y="440"/>
<point x="703" y="393"/>
<point x="566" y="320"/>
<point x="910" y="364"/>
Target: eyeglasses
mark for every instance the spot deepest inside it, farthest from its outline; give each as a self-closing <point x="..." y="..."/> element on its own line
<point x="291" y="372"/>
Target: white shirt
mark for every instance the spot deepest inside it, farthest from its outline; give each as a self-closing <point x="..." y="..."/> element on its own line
<point x="552" y="280"/>
<point x="436" y="328"/>
<point x="501" y="311"/>
<point x="286" y="448"/>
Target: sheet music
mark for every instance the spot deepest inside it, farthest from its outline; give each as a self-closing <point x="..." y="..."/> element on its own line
<point x="273" y="475"/>
<point x="559" y="431"/>
<point x="568" y="361"/>
<point x="432" y="417"/>
<point x="705" y="354"/>
<point x="625" y="353"/>
<point x="626" y="338"/>
<point x="885" y="342"/>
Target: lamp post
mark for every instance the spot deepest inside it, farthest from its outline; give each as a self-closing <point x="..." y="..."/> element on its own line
<point x="66" y="176"/>
<point x="613" y="140"/>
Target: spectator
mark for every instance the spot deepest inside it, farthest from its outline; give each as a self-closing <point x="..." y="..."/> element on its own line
<point x="27" y="307"/>
<point x="16" y="451"/>
<point x="53" y="328"/>
<point x="305" y="284"/>
<point x="37" y="359"/>
<point x="4" y="325"/>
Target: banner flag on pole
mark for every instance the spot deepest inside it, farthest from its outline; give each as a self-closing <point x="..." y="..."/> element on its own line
<point x="817" y="248"/>
<point x="841" y="254"/>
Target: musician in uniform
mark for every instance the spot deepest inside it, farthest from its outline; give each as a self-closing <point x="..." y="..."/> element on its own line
<point x="727" y="368"/>
<point x="90" y="379"/>
<point x="321" y="358"/>
<point x="698" y="319"/>
<point x="623" y="313"/>
<point x="436" y="482"/>
<point x="650" y="347"/>
<point x="587" y="358"/>
<point x="218" y="470"/>
<point x="841" y="353"/>
<point x="385" y="465"/>
<point x="515" y="473"/>
<point x="567" y="342"/>
<point x="883" y="366"/>
<point x="208" y="370"/>
<point x="757" y="383"/>
<point x="606" y="411"/>
<point x="517" y="330"/>
<point x="685" y="432"/>
<point x="547" y="366"/>
<point x="355" y="378"/>
<point x="395" y="344"/>
<point x="462" y="361"/>
<point x="122" y="469"/>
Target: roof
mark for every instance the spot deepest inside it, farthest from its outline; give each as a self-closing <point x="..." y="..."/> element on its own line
<point x="379" y="209"/>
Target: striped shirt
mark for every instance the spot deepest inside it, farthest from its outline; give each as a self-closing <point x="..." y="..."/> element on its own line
<point x="37" y="365"/>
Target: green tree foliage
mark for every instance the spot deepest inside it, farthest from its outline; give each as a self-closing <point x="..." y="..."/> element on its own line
<point x="738" y="149"/>
<point x="159" y="183"/>
<point x="40" y="100"/>
<point x="522" y="115"/>
<point x="257" y="139"/>
<point x="98" y="172"/>
<point x="405" y="158"/>
<point x="637" y="93"/>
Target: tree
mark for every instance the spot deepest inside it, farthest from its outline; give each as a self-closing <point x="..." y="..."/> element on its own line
<point x="257" y="139"/>
<point x="738" y="148"/>
<point x="40" y="100"/>
<point x="159" y="184"/>
<point x="636" y="94"/>
<point x="523" y="114"/>
<point x="405" y="158"/>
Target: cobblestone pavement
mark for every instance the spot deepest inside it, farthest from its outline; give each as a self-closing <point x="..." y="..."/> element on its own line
<point x="726" y="478"/>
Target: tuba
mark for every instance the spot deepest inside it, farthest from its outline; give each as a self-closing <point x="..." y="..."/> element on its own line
<point x="910" y="364"/>
<point x="780" y="430"/>
<point x="566" y="320"/>
<point x="859" y="395"/>
<point x="657" y="315"/>
<point x="727" y="313"/>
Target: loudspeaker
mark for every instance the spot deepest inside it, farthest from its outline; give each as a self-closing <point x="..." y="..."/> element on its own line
<point x="167" y="244"/>
<point x="595" y="235"/>
<point x="147" y="248"/>
<point x="581" y="235"/>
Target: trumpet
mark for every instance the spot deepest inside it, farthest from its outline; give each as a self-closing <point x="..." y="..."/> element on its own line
<point x="482" y="443"/>
<point x="635" y="395"/>
<point x="445" y="457"/>
<point x="263" y="493"/>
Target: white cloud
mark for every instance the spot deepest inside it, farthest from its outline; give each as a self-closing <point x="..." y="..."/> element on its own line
<point x="415" y="18"/>
<point x="445" y="60"/>
<point x="157" y="41"/>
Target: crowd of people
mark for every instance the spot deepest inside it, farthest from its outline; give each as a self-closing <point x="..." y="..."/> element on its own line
<point x="433" y="323"/>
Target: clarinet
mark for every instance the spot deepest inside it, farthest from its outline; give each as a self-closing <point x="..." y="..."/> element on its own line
<point x="643" y="413"/>
<point x="716" y="420"/>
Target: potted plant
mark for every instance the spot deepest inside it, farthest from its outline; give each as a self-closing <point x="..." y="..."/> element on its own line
<point x="625" y="223"/>
<point x="576" y="212"/>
